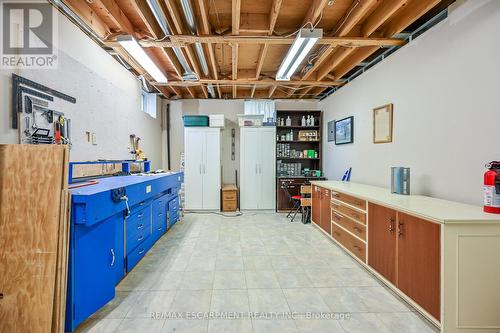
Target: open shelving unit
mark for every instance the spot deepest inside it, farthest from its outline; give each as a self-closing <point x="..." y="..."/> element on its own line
<point x="295" y="180"/>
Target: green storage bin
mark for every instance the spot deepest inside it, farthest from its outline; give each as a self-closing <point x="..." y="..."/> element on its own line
<point x="195" y="121"/>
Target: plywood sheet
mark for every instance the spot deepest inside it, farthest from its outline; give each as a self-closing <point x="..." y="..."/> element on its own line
<point x="31" y="182"/>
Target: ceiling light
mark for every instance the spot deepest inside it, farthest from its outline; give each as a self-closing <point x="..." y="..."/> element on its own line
<point x="136" y="51"/>
<point x="303" y="43"/>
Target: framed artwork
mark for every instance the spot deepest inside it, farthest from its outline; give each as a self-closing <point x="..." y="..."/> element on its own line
<point x="382" y="124"/>
<point x="344" y="131"/>
<point x="331" y="131"/>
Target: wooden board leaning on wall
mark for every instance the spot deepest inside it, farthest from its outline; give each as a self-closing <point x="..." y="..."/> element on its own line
<point x="34" y="226"/>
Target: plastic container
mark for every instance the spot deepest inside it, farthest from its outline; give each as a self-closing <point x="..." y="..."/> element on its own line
<point x="195" y="121"/>
<point x="217" y="120"/>
<point x="250" y="120"/>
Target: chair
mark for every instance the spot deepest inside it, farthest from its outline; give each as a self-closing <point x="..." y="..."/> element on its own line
<point x="306" y="202"/>
<point x="295" y="199"/>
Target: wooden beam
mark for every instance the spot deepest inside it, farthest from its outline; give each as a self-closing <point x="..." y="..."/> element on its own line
<point x="412" y="12"/>
<point x="236" y="16"/>
<point x="260" y="62"/>
<point x="336" y="58"/>
<point x="273" y="16"/>
<point x="252" y="93"/>
<point x="186" y="40"/>
<point x="247" y="82"/>
<point x="235" y="92"/>
<point x="354" y="14"/>
<point x="409" y="14"/>
<point x="115" y="14"/>
<point x="271" y="91"/>
<point x="381" y="14"/>
<point x="89" y="16"/>
<point x="234" y="63"/>
<point x="144" y="12"/>
<point x="314" y="11"/>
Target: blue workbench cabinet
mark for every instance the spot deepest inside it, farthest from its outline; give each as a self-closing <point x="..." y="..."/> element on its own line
<point x="173" y="211"/>
<point x="114" y="223"/>
<point x="93" y="271"/>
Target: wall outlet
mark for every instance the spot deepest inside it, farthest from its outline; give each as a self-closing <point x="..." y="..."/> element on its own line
<point x="94" y="139"/>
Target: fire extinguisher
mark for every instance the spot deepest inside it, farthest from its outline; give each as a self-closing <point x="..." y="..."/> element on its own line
<point x="492" y="188"/>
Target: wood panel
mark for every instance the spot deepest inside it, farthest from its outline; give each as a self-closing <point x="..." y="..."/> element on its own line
<point x="350" y="212"/>
<point x="351" y="243"/>
<point x="350" y="200"/>
<point x="316" y="205"/>
<point x="382" y="241"/>
<point x="352" y="226"/>
<point x="326" y="220"/>
<point x="31" y="183"/>
<point x="419" y="261"/>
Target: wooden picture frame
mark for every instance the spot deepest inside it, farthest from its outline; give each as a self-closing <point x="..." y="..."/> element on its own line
<point x="344" y="131"/>
<point x="382" y="124"/>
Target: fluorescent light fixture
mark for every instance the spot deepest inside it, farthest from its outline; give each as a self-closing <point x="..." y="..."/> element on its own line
<point x="136" y="51"/>
<point x="302" y="45"/>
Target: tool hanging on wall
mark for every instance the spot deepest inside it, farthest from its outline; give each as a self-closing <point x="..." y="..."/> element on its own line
<point x="135" y="150"/>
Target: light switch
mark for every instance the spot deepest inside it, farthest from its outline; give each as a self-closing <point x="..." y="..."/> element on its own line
<point x="94" y="139"/>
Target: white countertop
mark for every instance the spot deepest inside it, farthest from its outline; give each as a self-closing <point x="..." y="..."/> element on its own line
<point x="437" y="210"/>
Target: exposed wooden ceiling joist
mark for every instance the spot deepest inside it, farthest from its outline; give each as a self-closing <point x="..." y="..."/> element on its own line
<point x="244" y="42"/>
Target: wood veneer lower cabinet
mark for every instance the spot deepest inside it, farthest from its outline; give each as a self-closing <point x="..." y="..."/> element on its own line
<point x="316" y="205"/>
<point x="419" y="263"/>
<point x="382" y="241"/>
<point x="326" y="219"/>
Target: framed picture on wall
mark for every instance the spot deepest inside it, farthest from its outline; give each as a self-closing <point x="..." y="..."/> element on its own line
<point x="344" y="131"/>
<point x="382" y="124"/>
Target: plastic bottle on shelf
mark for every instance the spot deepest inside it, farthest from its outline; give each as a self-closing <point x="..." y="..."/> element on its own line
<point x="303" y="123"/>
<point x="312" y="121"/>
<point x="288" y="121"/>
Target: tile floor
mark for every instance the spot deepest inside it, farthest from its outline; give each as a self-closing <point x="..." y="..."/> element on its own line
<point x="258" y="264"/>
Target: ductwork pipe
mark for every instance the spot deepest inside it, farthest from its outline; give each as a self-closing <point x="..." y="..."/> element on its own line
<point x="188" y="14"/>
<point x="188" y="74"/>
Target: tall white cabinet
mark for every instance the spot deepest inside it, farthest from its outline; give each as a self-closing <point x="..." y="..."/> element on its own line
<point x="257" y="167"/>
<point x="202" y="171"/>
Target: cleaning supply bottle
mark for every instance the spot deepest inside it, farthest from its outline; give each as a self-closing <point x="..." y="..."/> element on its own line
<point x="288" y="121"/>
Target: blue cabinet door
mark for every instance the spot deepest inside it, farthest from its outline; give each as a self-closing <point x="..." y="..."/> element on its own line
<point x="94" y="268"/>
<point x="119" y="248"/>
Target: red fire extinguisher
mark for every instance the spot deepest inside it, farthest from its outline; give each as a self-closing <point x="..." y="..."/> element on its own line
<point x="492" y="188"/>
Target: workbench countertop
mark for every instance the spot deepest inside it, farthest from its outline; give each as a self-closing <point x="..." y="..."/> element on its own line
<point x="109" y="183"/>
<point x="433" y="209"/>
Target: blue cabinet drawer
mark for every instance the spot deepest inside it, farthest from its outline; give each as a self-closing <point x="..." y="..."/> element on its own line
<point x="159" y="217"/>
<point x="134" y="256"/>
<point x="138" y="227"/>
<point x="173" y="208"/>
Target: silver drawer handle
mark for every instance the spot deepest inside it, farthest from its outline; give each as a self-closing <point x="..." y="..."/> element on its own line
<point x="140" y="226"/>
<point x="141" y="251"/>
<point x="140" y="238"/>
<point x="140" y="215"/>
<point x="112" y="257"/>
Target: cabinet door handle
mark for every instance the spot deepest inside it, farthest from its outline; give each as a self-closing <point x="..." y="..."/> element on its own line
<point x="141" y="251"/>
<point x="391" y="224"/>
<point x="400" y="229"/>
<point x="357" y="229"/>
<point x="112" y="257"/>
<point x="140" y="215"/>
<point x="140" y="238"/>
<point x="336" y="233"/>
<point x="357" y="247"/>
<point x="200" y="169"/>
<point x="338" y="216"/>
<point x="140" y="226"/>
<point x="335" y="194"/>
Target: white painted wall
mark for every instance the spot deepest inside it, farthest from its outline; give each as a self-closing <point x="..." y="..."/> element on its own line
<point x="108" y="100"/>
<point x="445" y="90"/>
<point x="230" y="108"/>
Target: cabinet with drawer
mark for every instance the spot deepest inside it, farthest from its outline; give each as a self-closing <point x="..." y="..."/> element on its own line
<point x="173" y="211"/>
<point x="351" y="243"/>
<point x="229" y="198"/>
<point x="356" y="228"/>
<point x="349" y="211"/>
<point x="159" y="217"/>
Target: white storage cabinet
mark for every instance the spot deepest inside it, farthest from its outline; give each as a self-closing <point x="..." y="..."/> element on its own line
<point x="257" y="167"/>
<point x="202" y="174"/>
